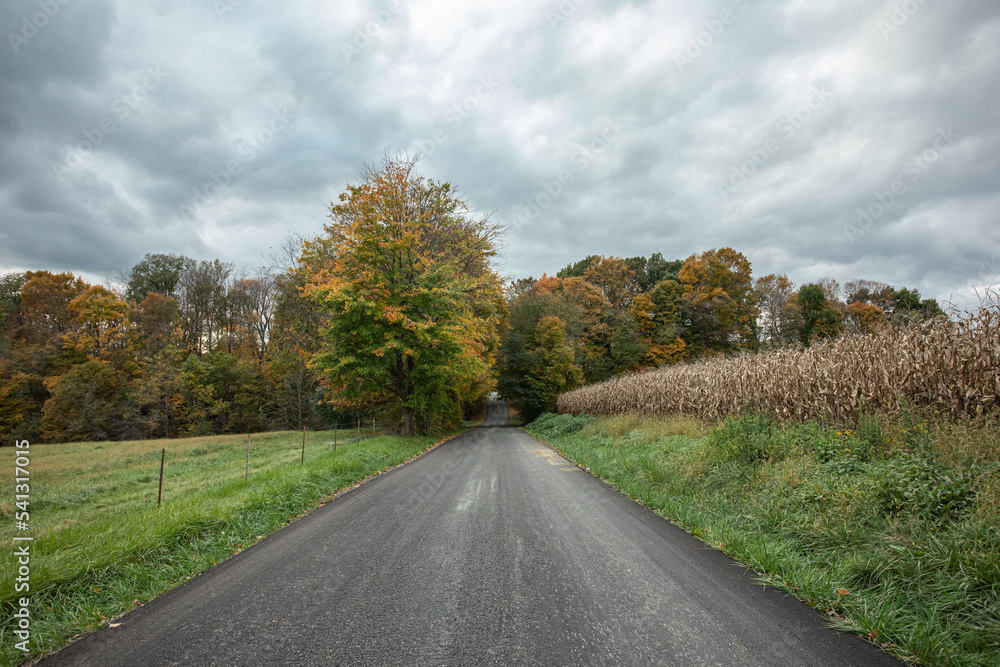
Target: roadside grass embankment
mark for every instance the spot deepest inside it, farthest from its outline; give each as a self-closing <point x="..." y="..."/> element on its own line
<point x="892" y="529"/>
<point x="101" y="546"/>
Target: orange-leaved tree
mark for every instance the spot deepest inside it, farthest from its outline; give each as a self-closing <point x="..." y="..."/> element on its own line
<point x="414" y="306"/>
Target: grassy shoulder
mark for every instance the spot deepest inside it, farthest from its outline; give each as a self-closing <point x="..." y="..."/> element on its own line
<point x="102" y="547"/>
<point x="891" y="530"/>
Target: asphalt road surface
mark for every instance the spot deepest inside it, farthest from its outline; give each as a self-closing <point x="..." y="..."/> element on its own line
<point x="490" y="550"/>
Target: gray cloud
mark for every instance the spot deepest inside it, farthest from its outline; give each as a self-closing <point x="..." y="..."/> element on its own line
<point x="214" y="129"/>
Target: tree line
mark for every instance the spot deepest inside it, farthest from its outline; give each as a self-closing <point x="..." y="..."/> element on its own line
<point x="180" y="347"/>
<point x="605" y="316"/>
<point x="394" y="312"/>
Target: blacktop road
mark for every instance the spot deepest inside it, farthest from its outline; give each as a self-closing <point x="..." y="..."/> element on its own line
<point x="490" y="550"/>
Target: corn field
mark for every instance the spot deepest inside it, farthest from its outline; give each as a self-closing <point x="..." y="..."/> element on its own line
<point x="946" y="365"/>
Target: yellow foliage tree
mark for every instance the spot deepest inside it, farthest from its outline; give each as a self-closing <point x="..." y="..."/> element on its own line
<point x="100" y="320"/>
<point x="414" y="306"/>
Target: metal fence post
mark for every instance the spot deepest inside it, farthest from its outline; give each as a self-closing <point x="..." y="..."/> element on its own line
<point x="163" y="458"/>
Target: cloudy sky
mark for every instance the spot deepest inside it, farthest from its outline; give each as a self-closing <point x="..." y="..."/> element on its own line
<point x="822" y="138"/>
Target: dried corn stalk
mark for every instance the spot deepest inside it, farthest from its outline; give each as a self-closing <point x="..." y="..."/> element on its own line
<point x="952" y="365"/>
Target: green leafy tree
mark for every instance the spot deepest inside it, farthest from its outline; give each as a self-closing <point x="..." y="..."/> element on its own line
<point x="414" y="306"/>
<point x="155" y="274"/>
<point x="159" y="393"/>
<point x="89" y="402"/>
<point x="658" y="316"/>
<point x="196" y="406"/>
<point x="577" y="269"/>
<point x="241" y="395"/>
<point x="537" y="357"/>
<point x="908" y="307"/>
<point x="649" y="272"/>
<point x="820" y="319"/>
<point x="552" y="368"/>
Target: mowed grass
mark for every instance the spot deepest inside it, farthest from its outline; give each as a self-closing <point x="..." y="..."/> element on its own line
<point x="101" y="546"/>
<point x="891" y="529"/>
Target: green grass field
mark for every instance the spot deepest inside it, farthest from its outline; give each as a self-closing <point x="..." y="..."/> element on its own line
<point x="101" y="546"/>
<point x="892" y="530"/>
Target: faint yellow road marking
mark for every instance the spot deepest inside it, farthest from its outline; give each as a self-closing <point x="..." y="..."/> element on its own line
<point x="553" y="458"/>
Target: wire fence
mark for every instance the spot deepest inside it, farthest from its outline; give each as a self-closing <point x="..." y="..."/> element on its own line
<point x="342" y="434"/>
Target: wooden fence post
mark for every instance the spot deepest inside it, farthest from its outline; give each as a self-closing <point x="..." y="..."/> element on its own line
<point x="163" y="457"/>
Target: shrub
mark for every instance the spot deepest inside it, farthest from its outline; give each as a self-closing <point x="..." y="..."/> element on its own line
<point x="553" y="425"/>
<point x="748" y="439"/>
<point x="918" y="484"/>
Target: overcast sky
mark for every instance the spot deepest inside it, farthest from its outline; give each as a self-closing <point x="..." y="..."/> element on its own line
<point x="822" y="138"/>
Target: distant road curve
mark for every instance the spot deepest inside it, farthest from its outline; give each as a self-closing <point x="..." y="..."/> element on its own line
<point x="489" y="550"/>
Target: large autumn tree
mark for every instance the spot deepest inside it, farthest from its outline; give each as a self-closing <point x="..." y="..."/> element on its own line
<point x="414" y="306"/>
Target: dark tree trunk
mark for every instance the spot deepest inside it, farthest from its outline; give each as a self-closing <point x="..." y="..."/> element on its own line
<point x="407" y="426"/>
